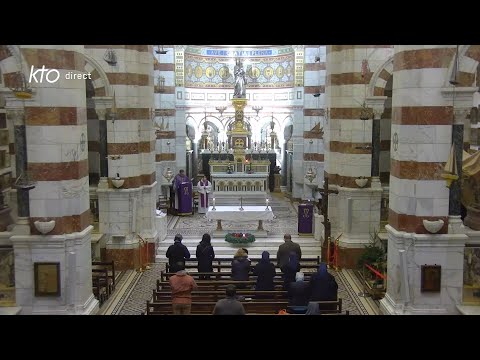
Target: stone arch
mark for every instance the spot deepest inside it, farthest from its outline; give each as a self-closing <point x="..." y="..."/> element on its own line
<point x="100" y="81"/>
<point x="11" y="64"/>
<point x="468" y="66"/>
<point x="380" y="77"/>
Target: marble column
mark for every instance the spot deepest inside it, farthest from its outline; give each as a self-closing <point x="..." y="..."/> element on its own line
<point x="422" y="122"/>
<point x="57" y="154"/>
<point x="355" y="211"/>
<point x="284" y="164"/>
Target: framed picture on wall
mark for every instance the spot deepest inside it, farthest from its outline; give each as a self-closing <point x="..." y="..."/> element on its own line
<point x="47" y="279"/>
<point x="431" y="278"/>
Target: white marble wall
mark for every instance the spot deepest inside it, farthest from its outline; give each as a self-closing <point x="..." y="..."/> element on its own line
<point x="404" y="294"/>
<point x="319" y="228"/>
<point x="127" y="212"/>
<point x="73" y="252"/>
<point x="355" y="213"/>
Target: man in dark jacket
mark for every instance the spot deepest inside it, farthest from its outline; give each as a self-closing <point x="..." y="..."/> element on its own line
<point x="176" y="254"/>
<point x="286" y="248"/>
<point x="230" y="305"/>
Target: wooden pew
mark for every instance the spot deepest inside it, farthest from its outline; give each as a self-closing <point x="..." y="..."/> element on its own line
<point x="212" y="295"/>
<point x="100" y="287"/>
<point x="219" y="267"/>
<point x="225" y="263"/>
<point x="206" y="307"/>
<point x="164" y="276"/>
<point x="220" y="284"/>
<point x="109" y="266"/>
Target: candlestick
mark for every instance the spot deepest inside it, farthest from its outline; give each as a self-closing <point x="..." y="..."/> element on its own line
<point x="267" y="204"/>
<point x="241" y="204"/>
<point x="213" y="201"/>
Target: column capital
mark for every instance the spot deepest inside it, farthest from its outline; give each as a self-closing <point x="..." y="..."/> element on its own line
<point x="377" y="103"/>
<point x="463" y="96"/>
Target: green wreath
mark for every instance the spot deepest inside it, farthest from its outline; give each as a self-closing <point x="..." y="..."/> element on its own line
<point x="239" y="238"/>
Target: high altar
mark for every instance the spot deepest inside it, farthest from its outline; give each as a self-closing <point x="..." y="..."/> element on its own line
<point x="243" y="175"/>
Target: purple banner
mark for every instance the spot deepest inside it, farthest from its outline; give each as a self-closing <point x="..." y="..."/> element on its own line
<point x="185" y="199"/>
<point x="305" y="219"/>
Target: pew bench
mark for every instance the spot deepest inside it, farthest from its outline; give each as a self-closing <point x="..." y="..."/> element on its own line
<point x="212" y="295"/>
<point x="206" y="307"/>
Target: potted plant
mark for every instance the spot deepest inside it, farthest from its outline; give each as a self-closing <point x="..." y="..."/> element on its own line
<point x="375" y="256"/>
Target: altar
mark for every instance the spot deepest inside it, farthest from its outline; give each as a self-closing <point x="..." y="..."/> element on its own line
<point x="232" y="213"/>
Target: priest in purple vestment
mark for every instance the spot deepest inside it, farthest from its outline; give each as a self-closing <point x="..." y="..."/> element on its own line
<point x="180" y="178"/>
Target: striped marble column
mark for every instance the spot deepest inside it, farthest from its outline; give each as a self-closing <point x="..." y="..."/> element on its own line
<point x="165" y="121"/>
<point x="127" y="214"/>
<point x="421" y="137"/>
<point x="422" y="122"/>
<point x="355" y="211"/>
<point x="57" y="153"/>
<point x="313" y="112"/>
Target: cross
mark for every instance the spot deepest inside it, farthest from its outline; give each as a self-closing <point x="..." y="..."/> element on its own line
<point x="326" y="221"/>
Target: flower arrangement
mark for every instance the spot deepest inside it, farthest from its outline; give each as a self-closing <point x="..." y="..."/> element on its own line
<point x="239" y="238"/>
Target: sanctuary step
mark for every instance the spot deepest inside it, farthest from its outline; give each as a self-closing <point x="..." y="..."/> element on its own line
<point x="310" y="247"/>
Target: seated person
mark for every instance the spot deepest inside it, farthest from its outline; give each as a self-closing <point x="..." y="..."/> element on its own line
<point x="240" y="267"/>
<point x="323" y="287"/>
<point x="298" y="295"/>
<point x="265" y="272"/>
<point x="230" y="305"/>
<point x="290" y="269"/>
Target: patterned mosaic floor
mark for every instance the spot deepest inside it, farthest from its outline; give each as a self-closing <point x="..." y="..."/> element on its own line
<point x="285" y="221"/>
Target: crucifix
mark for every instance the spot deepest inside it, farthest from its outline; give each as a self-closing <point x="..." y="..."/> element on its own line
<point x="326" y="221"/>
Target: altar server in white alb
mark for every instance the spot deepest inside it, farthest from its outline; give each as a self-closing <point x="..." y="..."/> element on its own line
<point x="204" y="188"/>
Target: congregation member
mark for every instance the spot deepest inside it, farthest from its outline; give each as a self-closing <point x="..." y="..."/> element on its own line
<point x="290" y="269"/>
<point x="265" y="273"/>
<point x="182" y="285"/>
<point x="286" y="248"/>
<point x="205" y="255"/>
<point x="230" y="305"/>
<point x="240" y="267"/>
<point x="298" y="294"/>
<point x="323" y="287"/>
<point x="177" y="254"/>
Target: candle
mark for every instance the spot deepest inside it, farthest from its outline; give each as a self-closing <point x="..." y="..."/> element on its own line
<point x="213" y="201"/>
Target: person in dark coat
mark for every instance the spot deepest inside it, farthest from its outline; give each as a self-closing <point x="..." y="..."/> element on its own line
<point x="323" y="287"/>
<point x="240" y="267"/>
<point x="298" y="295"/>
<point x="285" y="249"/>
<point x="265" y="272"/>
<point x="290" y="269"/>
<point x="205" y="256"/>
<point x="176" y="254"/>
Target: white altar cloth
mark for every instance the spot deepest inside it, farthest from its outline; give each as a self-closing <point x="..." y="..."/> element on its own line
<point x="231" y="213"/>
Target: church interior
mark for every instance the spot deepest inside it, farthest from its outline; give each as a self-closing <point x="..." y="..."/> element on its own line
<point x="367" y="155"/>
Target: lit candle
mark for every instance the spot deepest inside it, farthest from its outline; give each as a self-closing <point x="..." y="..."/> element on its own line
<point x="213" y="201"/>
<point x="267" y="203"/>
